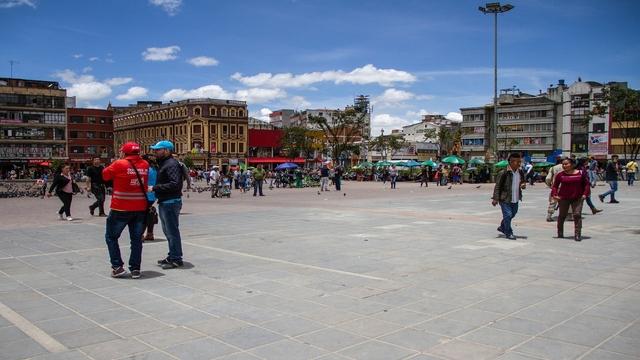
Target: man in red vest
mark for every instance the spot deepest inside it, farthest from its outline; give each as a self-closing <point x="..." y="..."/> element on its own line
<point x="128" y="207"/>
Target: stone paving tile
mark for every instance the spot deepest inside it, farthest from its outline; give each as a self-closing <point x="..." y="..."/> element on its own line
<point x="137" y="326"/>
<point x="518" y="325"/>
<point x="115" y="349"/>
<point x="169" y="337"/>
<point x="66" y="324"/>
<point x="200" y="349"/>
<point x="463" y="350"/>
<point x="287" y="349"/>
<point x="585" y="330"/>
<point x="445" y="327"/>
<point x="84" y="337"/>
<point x="496" y="338"/>
<point x="331" y="339"/>
<point x="551" y="349"/>
<point x="114" y="315"/>
<point x="249" y="337"/>
<point x="376" y="350"/>
<point x="239" y="356"/>
<point x="218" y="326"/>
<point x="606" y="355"/>
<point x="10" y="334"/>
<point x="21" y="349"/>
<point x="151" y="355"/>
<point x="369" y="327"/>
<point x="414" y="339"/>
<point x="293" y="326"/>
<point x="330" y="316"/>
<point x="516" y="356"/>
<point x="402" y="317"/>
<point x="623" y="345"/>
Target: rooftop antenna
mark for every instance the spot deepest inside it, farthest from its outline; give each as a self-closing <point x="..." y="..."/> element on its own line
<point x="11" y="63"/>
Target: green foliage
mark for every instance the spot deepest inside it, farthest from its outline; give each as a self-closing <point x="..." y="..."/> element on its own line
<point x="342" y="130"/>
<point x="388" y="144"/>
<point x="624" y="107"/>
<point x="299" y="141"/>
<point x="188" y="161"/>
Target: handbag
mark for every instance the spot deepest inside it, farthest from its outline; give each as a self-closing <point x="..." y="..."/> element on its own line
<point x="75" y="188"/>
<point x="147" y="212"/>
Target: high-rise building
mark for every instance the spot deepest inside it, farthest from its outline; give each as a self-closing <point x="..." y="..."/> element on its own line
<point x="90" y="135"/>
<point x="33" y="123"/>
<point x="209" y="131"/>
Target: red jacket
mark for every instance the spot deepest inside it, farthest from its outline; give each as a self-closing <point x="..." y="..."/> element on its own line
<point x="127" y="194"/>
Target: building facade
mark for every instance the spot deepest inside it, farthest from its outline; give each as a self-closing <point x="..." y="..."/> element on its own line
<point x="90" y="135"/>
<point x="281" y="118"/>
<point x="33" y="123"/>
<point x="209" y="131"/>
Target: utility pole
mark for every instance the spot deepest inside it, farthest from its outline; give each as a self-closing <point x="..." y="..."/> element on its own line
<point x="11" y="63"/>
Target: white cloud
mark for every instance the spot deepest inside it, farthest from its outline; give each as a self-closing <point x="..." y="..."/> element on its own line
<point x="161" y="54"/>
<point x="171" y="7"/>
<point x="252" y="95"/>
<point x="454" y="116"/>
<point x="7" y="4"/>
<point x="208" y="91"/>
<point x="387" y="122"/>
<point x="72" y="78"/>
<point x="418" y="114"/>
<point x="94" y="58"/>
<point x="203" y="61"/>
<point x="135" y="92"/>
<point x="299" y="102"/>
<point x="77" y="56"/>
<point x="367" y="74"/>
<point x="87" y="69"/>
<point x="109" y="60"/>
<point x="263" y="114"/>
<point x="394" y="96"/>
<point x="89" y="91"/>
<point x="259" y="95"/>
<point x="116" y="81"/>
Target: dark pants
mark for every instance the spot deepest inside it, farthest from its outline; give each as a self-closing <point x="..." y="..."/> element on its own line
<point x="393" y="181"/>
<point x="509" y="211"/>
<point x="99" y="192"/>
<point x="257" y="187"/>
<point x="66" y="202"/>
<point x="338" y="181"/>
<point x="116" y="222"/>
<point x="169" y="216"/>
<point x="151" y="219"/>
<point x="424" y="180"/>
<point x="631" y="177"/>
<point x="563" y="210"/>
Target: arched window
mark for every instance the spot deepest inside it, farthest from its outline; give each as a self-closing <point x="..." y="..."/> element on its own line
<point x="225" y="112"/>
<point x="197" y="111"/>
<point x="241" y="113"/>
<point x="233" y="113"/>
<point x="212" y="111"/>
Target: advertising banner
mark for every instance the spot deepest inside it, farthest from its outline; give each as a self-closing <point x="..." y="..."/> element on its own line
<point x="598" y="144"/>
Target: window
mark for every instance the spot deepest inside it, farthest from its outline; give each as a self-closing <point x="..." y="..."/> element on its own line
<point x="76" y="119"/>
<point x="91" y="120"/>
<point x="197" y="129"/>
<point x="212" y="111"/>
<point x="225" y="112"/>
<point x="224" y="147"/>
<point x="91" y="134"/>
<point x="233" y="112"/>
<point x="233" y="129"/>
<point x="241" y="113"/>
<point x="73" y="134"/>
<point x="91" y="150"/>
<point x="197" y="111"/>
<point x="241" y="148"/>
<point x="77" y="150"/>
<point x="225" y="129"/>
<point x="598" y="128"/>
<point x="212" y="129"/>
<point x="240" y="130"/>
<point x="233" y="147"/>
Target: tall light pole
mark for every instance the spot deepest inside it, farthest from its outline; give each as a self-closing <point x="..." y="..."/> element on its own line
<point x="495" y="9"/>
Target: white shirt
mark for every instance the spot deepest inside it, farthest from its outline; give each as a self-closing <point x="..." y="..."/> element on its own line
<point x="515" y="186"/>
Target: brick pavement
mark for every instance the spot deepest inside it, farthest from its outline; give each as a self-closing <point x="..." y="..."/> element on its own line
<point x="376" y="274"/>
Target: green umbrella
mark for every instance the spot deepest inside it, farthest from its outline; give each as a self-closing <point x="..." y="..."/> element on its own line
<point x="542" y="165"/>
<point x="430" y="163"/>
<point x="383" y="163"/>
<point x="502" y="164"/>
<point x="476" y="161"/>
<point x="455" y="160"/>
<point x="365" y="165"/>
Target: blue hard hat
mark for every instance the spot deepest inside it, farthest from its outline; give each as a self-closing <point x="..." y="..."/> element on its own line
<point x="164" y="144"/>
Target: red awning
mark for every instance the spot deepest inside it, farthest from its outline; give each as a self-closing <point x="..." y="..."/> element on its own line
<point x="274" y="160"/>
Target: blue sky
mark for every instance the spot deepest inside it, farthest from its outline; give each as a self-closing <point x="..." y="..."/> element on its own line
<point x="410" y="56"/>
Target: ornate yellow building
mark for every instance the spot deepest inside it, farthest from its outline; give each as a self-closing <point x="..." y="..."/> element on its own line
<point x="210" y="131"/>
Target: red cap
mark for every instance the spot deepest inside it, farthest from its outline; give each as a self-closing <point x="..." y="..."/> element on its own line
<point x="130" y="148"/>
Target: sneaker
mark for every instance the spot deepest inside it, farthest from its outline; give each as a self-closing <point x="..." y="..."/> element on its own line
<point x="614" y="202"/>
<point x="549" y="219"/>
<point x="601" y="198"/>
<point x="69" y="218"/>
<point x="172" y="264"/>
<point x="102" y="215"/>
<point x="595" y="211"/>
<point x="118" y="272"/>
<point x="60" y="216"/>
<point x="148" y="238"/>
<point x="163" y="261"/>
<point x="511" y="237"/>
<point x="500" y="230"/>
<point x="135" y="274"/>
<point x="91" y="210"/>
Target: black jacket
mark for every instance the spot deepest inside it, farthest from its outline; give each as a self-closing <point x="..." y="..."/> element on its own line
<point x="503" y="187"/>
<point x="169" y="181"/>
<point x="58" y="183"/>
<point x="611" y="171"/>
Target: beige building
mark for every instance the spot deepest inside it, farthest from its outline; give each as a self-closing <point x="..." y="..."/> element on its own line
<point x="209" y="131"/>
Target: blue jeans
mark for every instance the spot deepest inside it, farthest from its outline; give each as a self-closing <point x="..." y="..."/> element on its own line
<point x="257" y="187"/>
<point x="631" y="177"/>
<point x="614" y="187"/>
<point x="169" y="215"/>
<point x="393" y="181"/>
<point x="509" y="211"/>
<point x="116" y="222"/>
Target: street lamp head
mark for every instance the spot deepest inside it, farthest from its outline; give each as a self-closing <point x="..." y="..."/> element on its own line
<point x="482" y="9"/>
<point x="495" y="8"/>
<point x="506" y="7"/>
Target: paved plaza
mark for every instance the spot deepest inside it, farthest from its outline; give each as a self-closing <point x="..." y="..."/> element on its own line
<point x="368" y="273"/>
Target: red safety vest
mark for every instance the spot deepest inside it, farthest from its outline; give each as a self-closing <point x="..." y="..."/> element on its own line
<point x="127" y="195"/>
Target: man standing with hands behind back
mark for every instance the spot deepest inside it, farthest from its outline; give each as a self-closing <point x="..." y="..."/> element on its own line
<point x="168" y="190"/>
<point x="95" y="184"/>
<point x="508" y="192"/>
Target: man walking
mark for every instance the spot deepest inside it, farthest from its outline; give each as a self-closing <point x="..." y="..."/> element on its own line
<point x="611" y="176"/>
<point x="168" y="190"/>
<point x="128" y="207"/>
<point x="508" y="192"/>
<point x="258" y="179"/>
<point x="632" y="168"/>
<point x="324" y="178"/>
<point x="338" y="177"/>
<point x="95" y="184"/>
<point x="551" y="177"/>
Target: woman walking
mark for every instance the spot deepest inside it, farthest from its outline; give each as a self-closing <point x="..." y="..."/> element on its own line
<point x="63" y="186"/>
<point x="393" y="174"/>
<point x="570" y="188"/>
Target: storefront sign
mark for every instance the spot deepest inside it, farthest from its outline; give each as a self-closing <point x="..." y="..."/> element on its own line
<point x="598" y="144"/>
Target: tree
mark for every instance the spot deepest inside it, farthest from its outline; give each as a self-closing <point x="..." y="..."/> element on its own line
<point x="188" y="161"/>
<point x="444" y="136"/>
<point x="299" y="141"/>
<point x="342" y="131"/>
<point x="624" y="108"/>
<point x="388" y="144"/>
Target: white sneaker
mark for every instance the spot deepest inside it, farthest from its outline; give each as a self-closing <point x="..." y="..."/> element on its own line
<point x="69" y="218"/>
